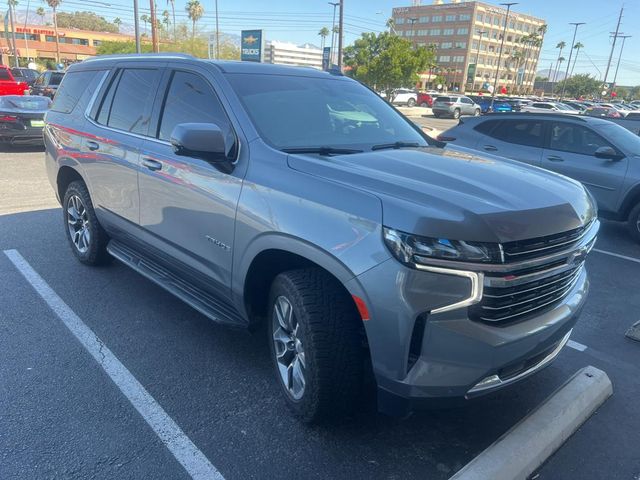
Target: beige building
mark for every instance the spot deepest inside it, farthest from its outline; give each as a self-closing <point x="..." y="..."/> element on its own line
<point x="467" y="59"/>
<point x="285" y="53"/>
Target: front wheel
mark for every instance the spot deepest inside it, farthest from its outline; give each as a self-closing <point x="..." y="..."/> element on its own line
<point x="411" y="102"/>
<point x="316" y="345"/>
<point x="456" y="114"/>
<point x="476" y="112"/>
<point x="424" y="104"/>
<point x="634" y="223"/>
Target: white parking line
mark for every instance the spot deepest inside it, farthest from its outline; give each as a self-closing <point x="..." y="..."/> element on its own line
<point x="182" y="448"/>
<point x="631" y="259"/>
<point x="576" y="346"/>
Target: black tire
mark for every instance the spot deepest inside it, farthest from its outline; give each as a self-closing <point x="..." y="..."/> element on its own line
<point x="437" y="115"/>
<point x="476" y="112"/>
<point x="424" y="104"/>
<point x="634" y="223"/>
<point x="411" y="102"/>
<point x="456" y="113"/>
<point x="329" y="330"/>
<point x="96" y="245"/>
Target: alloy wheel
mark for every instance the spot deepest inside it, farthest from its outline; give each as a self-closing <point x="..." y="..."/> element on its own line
<point x="78" y="224"/>
<point x="289" y="349"/>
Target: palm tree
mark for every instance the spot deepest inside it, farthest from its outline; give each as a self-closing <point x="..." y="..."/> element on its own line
<point x="145" y="19"/>
<point x="166" y="21"/>
<point x="516" y="59"/>
<point x="117" y="22"/>
<point x="54" y="4"/>
<point x="561" y="46"/>
<point x="391" y="25"/>
<point x="40" y="12"/>
<point x="173" y="11"/>
<point x="577" y="48"/>
<point x="324" y="33"/>
<point x="195" y="12"/>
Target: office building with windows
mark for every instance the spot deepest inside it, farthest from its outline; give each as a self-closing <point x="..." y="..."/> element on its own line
<point x="467" y="37"/>
<point x="285" y="53"/>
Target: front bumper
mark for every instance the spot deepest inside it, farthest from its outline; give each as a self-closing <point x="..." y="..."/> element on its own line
<point x="423" y="353"/>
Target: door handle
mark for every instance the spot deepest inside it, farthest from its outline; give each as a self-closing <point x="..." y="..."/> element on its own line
<point x="490" y="148"/>
<point x="151" y="164"/>
<point x="91" y="145"/>
<point x="555" y="158"/>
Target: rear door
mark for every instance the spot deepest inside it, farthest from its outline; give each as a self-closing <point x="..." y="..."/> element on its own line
<point x="519" y="139"/>
<point x="187" y="204"/>
<point x="570" y="149"/>
<point x="467" y="106"/>
<point x="120" y="121"/>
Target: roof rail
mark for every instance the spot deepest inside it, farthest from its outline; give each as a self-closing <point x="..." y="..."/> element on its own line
<point x="564" y="116"/>
<point x="126" y="56"/>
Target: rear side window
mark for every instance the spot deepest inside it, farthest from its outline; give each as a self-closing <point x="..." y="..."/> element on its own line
<point x="127" y="105"/>
<point x="486" y="127"/>
<point x="4" y="74"/>
<point x="72" y="88"/>
<point x="444" y="99"/>
<point x="520" y="132"/>
<point x="190" y="99"/>
<point x="17" y="73"/>
<point x="56" y="78"/>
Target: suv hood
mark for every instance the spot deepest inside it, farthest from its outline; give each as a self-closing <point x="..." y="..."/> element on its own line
<point x="458" y="194"/>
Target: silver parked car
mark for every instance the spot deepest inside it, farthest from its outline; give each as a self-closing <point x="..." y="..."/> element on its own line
<point x="601" y="154"/>
<point x="454" y="106"/>
<point x="301" y="201"/>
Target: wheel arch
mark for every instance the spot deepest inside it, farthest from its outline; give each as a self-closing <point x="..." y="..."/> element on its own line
<point x="631" y="199"/>
<point x="66" y="175"/>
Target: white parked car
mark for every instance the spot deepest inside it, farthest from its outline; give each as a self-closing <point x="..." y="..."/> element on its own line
<point x="549" y="107"/>
<point x="404" y="96"/>
<point x="616" y="106"/>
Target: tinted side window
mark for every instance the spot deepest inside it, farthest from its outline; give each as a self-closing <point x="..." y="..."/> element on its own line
<point x="520" y="132"/>
<point x="466" y="100"/>
<point x="128" y="108"/>
<point x="4" y="74"/>
<point x="572" y="138"/>
<point x="190" y="99"/>
<point x="72" y="88"/>
<point x="486" y="127"/>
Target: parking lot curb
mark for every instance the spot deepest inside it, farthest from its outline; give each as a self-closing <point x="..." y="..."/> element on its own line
<point x="527" y="445"/>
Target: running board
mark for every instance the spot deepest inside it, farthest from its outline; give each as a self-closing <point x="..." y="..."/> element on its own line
<point x="205" y="303"/>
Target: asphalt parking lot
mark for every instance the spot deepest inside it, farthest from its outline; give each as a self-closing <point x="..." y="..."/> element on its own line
<point x="62" y="417"/>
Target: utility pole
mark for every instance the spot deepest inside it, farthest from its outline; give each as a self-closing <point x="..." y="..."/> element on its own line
<point x="340" y="28"/>
<point x="136" y="25"/>
<point x="615" y="76"/>
<point x="615" y="37"/>
<point x="333" y="31"/>
<point x="566" y="75"/>
<point x="217" y="34"/>
<point x="154" y="27"/>
<point x="504" y="33"/>
<point x="13" y="34"/>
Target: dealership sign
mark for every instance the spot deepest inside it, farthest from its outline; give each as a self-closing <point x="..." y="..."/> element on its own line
<point x="326" y="58"/>
<point x="251" y="46"/>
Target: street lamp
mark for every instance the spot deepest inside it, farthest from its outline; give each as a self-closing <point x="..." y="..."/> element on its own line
<point x="504" y="33"/>
<point x="333" y="30"/>
<point x="573" y="42"/>
<point x="412" y="20"/>
<point x="473" y="80"/>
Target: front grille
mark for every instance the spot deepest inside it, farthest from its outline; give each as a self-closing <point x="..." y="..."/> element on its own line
<point x="541" y="246"/>
<point x="511" y="303"/>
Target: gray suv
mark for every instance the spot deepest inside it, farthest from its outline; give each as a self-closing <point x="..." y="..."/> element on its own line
<point x="454" y="106"/>
<point x="301" y="201"/>
<point x="602" y="155"/>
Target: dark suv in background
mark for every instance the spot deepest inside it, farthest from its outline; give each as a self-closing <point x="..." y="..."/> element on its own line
<point x="299" y="199"/>
<point x="47" y="83"/>
<point x="602" y="155"/>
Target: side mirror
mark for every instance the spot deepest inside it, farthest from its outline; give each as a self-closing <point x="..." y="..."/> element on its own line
<point x="607" y="153"/>
<point x="200" y="140"/>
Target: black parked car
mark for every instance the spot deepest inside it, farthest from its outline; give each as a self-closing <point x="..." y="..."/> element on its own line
<point x="22" y="119"/>
<point x="47" y="83"/>
<point x="27" y="75"/>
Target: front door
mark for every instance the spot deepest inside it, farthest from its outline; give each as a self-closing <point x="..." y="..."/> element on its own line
<point x="187" y="204"/>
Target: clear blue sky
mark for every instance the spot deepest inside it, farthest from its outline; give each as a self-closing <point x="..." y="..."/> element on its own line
<point x="299" y="21"/>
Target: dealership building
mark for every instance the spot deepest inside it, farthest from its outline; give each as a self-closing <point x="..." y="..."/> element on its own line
<point x="467" y="38"/>
<point x="285" y="53"/>
<point x="37" y="41"/>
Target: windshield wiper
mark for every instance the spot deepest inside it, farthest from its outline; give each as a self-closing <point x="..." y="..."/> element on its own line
<point x="384" y="146"/>
<point x="322" y="150"/>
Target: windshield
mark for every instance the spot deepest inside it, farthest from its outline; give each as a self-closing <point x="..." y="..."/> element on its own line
<point x="297" y="111"/>
<point x="25" y="102"/>
<point x="621" y="137"/>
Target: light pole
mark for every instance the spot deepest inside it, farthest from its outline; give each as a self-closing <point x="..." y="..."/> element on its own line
<point x="217" y="34"/>
<point x="412" y="20"/>
<point x="504" y="33"/>
<point x="136" y="25"/>
<point x="333" y="30"/>
<point x="615" y="76"/>
<point x="573" y="42"/>
<point x="473" y="80"/>
<point x="340" y="28"/>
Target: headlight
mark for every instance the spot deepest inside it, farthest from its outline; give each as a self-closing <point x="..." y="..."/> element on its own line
<point x="411" y="249"/>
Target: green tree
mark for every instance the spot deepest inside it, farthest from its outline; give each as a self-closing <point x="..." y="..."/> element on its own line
<point x="166" y="21"/>
<point x="117" y="22"/>
<point x="580" y="85"/>
<point x="386" y="61"/>
<point x="86" y="21"/>
<point x="41" y="13"/>
<point x="145" y="19"/>
<point x="54" y="4"/>
<point x="195" y="11"/>
<point x="577" y="48"/>
<point x="554" y="77"/>
<point x="173" y="11"/>
<point x="324" y="33"/>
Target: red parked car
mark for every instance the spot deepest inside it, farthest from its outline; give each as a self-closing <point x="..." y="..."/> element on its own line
<point x="9" y="85"/>
<point x="424" y="99"/>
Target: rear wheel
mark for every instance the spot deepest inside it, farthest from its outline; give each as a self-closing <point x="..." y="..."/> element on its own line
<point x="634" y="223"/>
<point x="437" y="115"/>
<point x="86" y="236"/>
<point x="316" y="345"/>
<point x="456" y="113"/>
<point x="424" y="104"/>
<point x="411" y="102"/>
